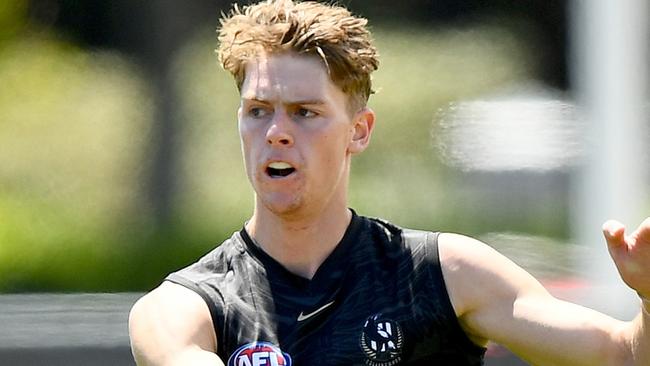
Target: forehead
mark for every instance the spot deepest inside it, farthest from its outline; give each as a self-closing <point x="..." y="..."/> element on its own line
<point x="288" y="76"/>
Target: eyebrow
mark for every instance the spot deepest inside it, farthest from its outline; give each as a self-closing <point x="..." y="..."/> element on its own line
<point x="292" y="102"/>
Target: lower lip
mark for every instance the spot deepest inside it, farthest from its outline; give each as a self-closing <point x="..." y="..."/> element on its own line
<point x="280" y="177"/>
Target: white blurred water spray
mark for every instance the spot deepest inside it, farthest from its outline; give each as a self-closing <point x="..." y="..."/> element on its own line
<point x="530" y="128"/>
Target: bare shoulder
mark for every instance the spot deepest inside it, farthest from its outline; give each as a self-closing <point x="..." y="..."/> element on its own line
<point x="459" y="250"/>
<point x="468" y="265"/>
<point x="460" y="254"/>
<point x="479" y="279"/>
<point x="171" y="324"/>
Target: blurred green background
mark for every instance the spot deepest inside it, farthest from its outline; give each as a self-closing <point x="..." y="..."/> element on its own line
<point x="119" y="154"/>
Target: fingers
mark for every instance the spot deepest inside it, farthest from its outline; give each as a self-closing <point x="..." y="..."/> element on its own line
<point x="643" y="232"/>
<point x="614" y="232"/>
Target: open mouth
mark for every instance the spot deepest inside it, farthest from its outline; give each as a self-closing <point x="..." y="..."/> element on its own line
<point x="279" y="169"/>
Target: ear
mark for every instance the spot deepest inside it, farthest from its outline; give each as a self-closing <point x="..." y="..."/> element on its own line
<point x="363" y="124"/>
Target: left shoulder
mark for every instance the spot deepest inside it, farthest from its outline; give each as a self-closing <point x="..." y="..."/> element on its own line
<point x="476" y="274"/>
<point x="473" y="257"/>
<point x="463" y="252"/>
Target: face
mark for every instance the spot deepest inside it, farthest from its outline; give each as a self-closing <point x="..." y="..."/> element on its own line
<point x="297" y="134"/>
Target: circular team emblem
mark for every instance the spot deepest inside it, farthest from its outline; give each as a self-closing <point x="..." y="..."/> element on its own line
<point x="259" y="354"/>
<point x="381" y="341"/>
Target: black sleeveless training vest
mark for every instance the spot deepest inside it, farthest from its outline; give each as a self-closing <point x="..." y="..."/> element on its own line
<point x="379" y="299"/>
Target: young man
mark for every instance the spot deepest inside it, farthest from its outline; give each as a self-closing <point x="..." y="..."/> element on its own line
<point x="309" y="282"/>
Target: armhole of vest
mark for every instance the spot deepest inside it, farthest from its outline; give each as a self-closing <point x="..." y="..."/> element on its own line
<point x="439" y="279"/>
<point x="217" y="313"/>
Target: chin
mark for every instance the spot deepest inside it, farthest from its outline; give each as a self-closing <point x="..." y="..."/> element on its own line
<point x="283" y="207"/>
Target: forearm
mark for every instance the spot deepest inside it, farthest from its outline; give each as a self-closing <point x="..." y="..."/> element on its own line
<point x="637" y="337"/>
<point x="640" y="340"/>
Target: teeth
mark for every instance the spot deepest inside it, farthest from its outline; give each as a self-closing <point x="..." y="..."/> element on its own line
<point x="280" y="165"/>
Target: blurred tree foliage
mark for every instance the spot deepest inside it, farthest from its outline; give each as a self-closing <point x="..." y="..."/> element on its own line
<point x="12" y="18"/>
<point x="75" y="152"/>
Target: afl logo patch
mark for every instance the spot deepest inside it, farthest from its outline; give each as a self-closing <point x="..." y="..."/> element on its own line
<point x="381" y="341"/>
<point x="259" y="354"/>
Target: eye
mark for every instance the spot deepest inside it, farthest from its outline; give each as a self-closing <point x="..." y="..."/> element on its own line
<point x="257" y="112"/>
<point x="306" y="113"/>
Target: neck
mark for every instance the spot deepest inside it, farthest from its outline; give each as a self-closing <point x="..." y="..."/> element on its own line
<point x="300" y="244"/>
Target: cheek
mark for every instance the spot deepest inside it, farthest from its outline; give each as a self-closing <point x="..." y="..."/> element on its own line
<point x="244" y="130"/>
<point x="333" y="149"/>
<point x="247" y="145"/>
<point x="339" y="142"/>
<point x="246" y="136"/>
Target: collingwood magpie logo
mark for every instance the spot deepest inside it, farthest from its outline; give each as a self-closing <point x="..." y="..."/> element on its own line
<point x="382" y="341"/>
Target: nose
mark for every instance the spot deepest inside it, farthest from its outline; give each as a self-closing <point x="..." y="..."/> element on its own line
<point x="279" y="132"/>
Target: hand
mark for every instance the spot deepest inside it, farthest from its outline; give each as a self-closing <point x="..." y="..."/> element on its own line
<point x="631" y="254"/>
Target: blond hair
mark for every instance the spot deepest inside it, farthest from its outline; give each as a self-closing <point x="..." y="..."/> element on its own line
<point x="340" y="39"/>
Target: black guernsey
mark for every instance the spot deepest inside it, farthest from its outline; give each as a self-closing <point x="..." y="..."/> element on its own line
<point x="379" y="299"/>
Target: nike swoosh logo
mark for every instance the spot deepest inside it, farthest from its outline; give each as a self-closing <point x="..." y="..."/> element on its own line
<point x="303" y="317"/>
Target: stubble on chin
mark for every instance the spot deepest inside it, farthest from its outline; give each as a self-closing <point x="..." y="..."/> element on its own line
<point x="282" y="207"/>
<point x="283" y="202"/>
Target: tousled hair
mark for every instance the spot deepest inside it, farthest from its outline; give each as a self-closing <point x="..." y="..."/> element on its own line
<point x="340" y="39"/>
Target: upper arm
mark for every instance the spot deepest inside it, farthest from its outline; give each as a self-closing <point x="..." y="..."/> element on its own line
<point x="497" y="300"/>
<point x="172" y="325"/>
